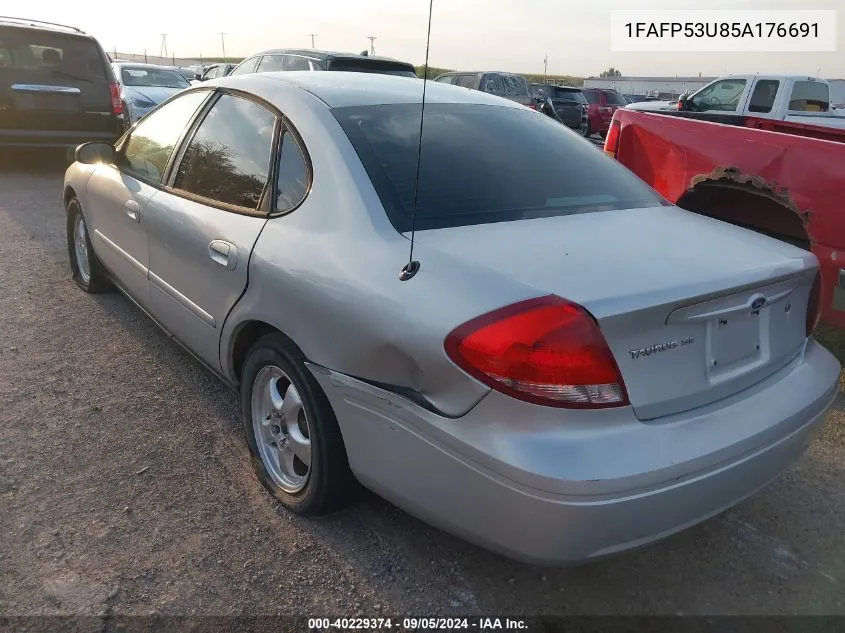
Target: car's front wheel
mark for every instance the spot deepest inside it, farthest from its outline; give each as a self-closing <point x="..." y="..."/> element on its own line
<point x="88" y="272"/>
<point x="293" y="435"/>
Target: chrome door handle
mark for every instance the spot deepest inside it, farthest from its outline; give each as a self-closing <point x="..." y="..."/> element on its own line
<point x="223" y="253"/>
<point x="133" y="210"/>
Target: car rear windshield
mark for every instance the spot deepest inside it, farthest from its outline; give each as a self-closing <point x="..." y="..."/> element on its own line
<point x="152" y="77"/>
<point x="372" y="66"/>
<point x="614" y="98"/>
<point x="482" y="164"/>
<point x="39" y="54"/>
<point x="569" y="95"/>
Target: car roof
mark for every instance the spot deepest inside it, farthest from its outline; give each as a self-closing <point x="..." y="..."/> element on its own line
<point x="40" y="25"/>
<point x="340" y="89"/>
<point x="325" y="55"/>
<point x="143" y="65"/>
<point x="480" y="72"/>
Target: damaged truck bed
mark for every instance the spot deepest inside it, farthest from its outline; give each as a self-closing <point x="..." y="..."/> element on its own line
<point x="783" y="179"/>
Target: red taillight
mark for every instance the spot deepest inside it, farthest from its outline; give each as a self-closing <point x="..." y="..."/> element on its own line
<point x="116" y="102"/>
<point x="814" y="305"/>
<point x="546" y="350"/>
<point x="611" y="143"/>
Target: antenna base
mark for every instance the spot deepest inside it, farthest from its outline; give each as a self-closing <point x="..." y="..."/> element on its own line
<point x="409" y="270"/>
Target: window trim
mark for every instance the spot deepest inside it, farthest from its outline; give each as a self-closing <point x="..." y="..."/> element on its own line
<point x="286" y="126"/>
<point x="120" y="145"/>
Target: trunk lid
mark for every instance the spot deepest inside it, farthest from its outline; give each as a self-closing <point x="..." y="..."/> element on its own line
<point x="52" y="81"/>
<point x="693" y="309"/>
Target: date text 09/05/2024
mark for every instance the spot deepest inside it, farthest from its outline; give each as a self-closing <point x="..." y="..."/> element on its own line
<point x="763" y="30"/>
<point x="416" y="624"/>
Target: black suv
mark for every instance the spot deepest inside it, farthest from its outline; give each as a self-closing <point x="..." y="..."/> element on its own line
<point x="56" y="87"/>
<point x="507" y="85"/>
<point x="309" y="59"/>
<point x="568" y="103"/>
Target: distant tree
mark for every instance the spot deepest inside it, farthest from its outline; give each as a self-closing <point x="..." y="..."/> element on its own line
<point x="611" y="72"/>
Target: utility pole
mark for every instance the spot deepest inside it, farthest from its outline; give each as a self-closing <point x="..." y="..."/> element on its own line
<point x="372" y="39"/>
<point x="162" y="51"/>
<point x="546" y="69"/>
<point x="313" y="35"/>
<point x="223" y="42"/>
<point x="145" y="55"/>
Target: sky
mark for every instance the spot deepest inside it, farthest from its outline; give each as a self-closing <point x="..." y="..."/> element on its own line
<point x="512" y="35"/>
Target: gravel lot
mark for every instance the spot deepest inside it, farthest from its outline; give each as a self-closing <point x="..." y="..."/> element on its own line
<point x="125" y="488"/>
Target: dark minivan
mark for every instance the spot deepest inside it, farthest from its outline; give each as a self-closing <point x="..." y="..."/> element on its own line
<point x="507" y="85"/>
<point x="56" y="87"/>
<point x="309" y="59"/>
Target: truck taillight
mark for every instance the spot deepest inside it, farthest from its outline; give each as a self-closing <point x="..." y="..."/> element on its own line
<point x="611" y="142"/>
<point x="116" y="101"/>
<point x="546" y="351"/>
<point x="814" y="305"/>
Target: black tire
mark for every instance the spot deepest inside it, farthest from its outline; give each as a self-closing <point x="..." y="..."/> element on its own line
<point x="97" y="280"/>
<point x="330" y="484"/>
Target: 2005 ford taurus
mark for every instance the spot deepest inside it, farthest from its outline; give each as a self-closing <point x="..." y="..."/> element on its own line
<point x="573" y="368"/>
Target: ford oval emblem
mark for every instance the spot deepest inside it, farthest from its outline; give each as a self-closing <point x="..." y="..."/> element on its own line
<point x="758" y="303"/>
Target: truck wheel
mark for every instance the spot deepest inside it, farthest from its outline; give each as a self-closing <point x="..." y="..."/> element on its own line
<point x="293" y="435"/>
<point x="88" y="273"/>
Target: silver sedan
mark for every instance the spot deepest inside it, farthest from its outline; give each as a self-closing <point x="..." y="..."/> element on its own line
<point x="564" y="367"/>
<point x="144" y="86"/>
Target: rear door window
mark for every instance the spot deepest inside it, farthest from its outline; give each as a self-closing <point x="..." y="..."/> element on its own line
<point x="614" y="98"/>
<point x="271" y="63"/>
<point x="763" y="97"/>
<point x="146" y="153"/>
<point x="294" y="62"/>
<point x="228" y="158"/>
<point x="809" y="96"/>
<point x="483" y="164"/>
<point x="246" y="67"/>
<point x="592" y="96"/>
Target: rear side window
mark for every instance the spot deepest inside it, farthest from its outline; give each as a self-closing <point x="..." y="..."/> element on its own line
<point x="466" y="81"/>
<point x="293" y="62"/>
<point x="245" y="67"/>
<point x="614" y="98"/>
<point x="43" y="53"/>
<point x="514" y="86"/>
<point x="763" y="97"/>
<point x="483" y="164"/>
<point x="592" y="96"/>
<point x="809" y="96"/>
<point x="146" y="152"/>
<point x="228" y="159"/>
<point x="271" y="63"/>
<point x="292" y="182"/>
<point x="574" y="96"/>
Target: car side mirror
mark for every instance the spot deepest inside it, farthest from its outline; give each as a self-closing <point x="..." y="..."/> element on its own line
<point x="94" y="153"/>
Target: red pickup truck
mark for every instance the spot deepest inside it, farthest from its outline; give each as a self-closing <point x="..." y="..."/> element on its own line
<point x="783" y="179"/>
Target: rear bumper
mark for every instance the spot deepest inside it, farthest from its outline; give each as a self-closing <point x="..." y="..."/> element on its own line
<point x="56" y="139"/>
<point x="532" y="484"/>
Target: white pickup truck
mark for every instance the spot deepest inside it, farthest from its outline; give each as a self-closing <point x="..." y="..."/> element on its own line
<point x="781" y="97"/>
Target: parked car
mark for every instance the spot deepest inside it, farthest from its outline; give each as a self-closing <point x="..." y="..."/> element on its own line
<point x="837" y="93"/>
<point x="799" y="99"/>
<point x="144" y="86"/>
<point x="568" y="103"/>
<point x="309" y="59"/>
<point x="601" y="104"/>
<point x="578" y="397"/>
<point x="778" y="178"/>
<point x="507" y="85"/>
<point x="56" y="87"/>
<point x="215" y="71"/>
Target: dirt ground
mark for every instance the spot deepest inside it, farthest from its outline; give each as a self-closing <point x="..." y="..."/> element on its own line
<point x="125" y="488"/>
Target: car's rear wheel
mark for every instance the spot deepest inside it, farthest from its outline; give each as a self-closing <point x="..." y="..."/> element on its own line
<point x="293" y="435"/>
<point x="88" y="272"/>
